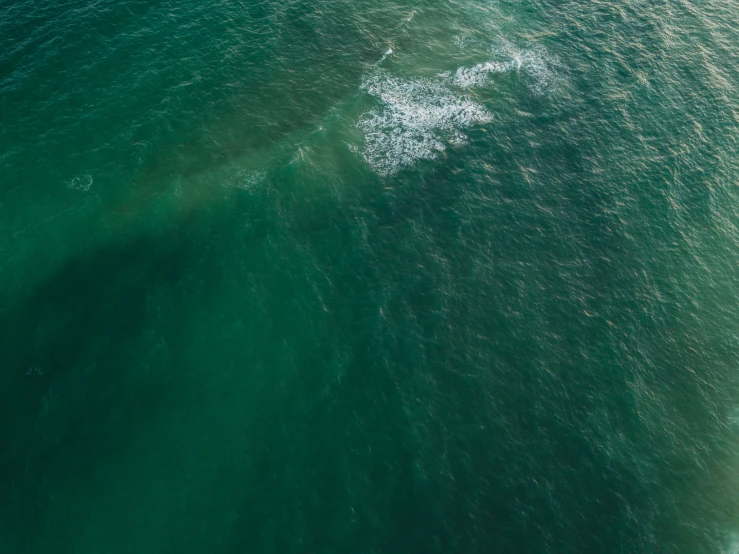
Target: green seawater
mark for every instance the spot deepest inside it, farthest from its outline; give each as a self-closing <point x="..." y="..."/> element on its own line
<point x="369" y="276"/>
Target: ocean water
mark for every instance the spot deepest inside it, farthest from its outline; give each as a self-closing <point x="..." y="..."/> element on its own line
<point x="379" y="276"/>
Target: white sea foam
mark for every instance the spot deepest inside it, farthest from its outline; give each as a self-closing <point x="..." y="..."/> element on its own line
<point x="388" y="52"/>
<point x="538" y="68"/>
<point x="535" y="65"/>
<point x="477" y="76"/>
<point x="460" y="40"/>
<point x="415" y="120"/>
<point x="81" y="182"/>
<point x="247" y="180"/>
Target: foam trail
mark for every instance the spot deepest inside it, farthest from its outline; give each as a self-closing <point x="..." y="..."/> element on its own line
<point x="537" y="66"/>
<point x="466" y="77"/>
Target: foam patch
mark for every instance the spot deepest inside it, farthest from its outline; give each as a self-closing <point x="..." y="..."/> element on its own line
<point x="477" y="76"/>
<point x="416" y="119"/>
<point x="81" y="182"/>
<point x="537" y="67"/>
<point x="247" y="180"/>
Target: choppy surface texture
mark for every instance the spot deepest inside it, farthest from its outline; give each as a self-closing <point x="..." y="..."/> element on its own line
<point x="371" y="276"/>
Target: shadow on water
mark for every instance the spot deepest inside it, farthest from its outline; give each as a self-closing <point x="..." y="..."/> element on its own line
<point x="85" y="356"/>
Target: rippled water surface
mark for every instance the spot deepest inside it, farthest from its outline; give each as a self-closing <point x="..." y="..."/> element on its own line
<point x="378" y="276"/>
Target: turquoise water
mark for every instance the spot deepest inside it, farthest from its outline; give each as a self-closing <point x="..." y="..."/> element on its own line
<point x="372" y="276"/>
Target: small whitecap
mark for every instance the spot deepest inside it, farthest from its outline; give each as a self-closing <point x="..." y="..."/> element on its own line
<point x="80" y="182"/>
<point x="536" y="67"/>
<point x="457" y="139"/>
<point x="734" y="416"/>
<point x="460" y="40"/>
<point x="246" y="180"/>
